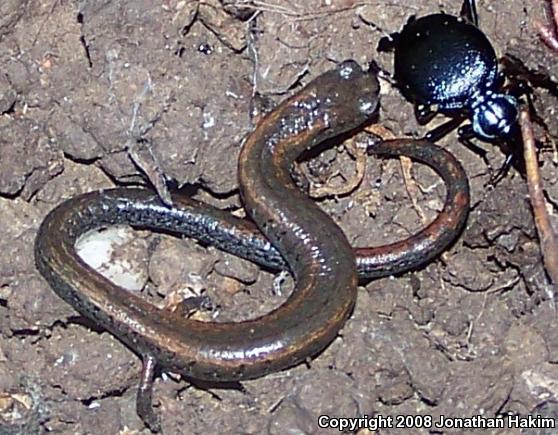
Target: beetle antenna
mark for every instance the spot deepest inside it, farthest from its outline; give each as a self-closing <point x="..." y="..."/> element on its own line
<point x="469" y="12"/>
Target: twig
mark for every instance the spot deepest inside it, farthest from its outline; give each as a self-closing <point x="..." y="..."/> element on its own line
<point x="406" y="167"/>
<point x="358" y="153"/>
<point x="548" y="32"/>
<point x="547" y="237"/>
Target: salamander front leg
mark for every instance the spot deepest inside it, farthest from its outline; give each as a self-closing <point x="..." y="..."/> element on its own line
<point x="144" y="404"/>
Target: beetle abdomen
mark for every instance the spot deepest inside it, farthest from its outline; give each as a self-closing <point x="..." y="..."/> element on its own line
<point x="441" y="59"/>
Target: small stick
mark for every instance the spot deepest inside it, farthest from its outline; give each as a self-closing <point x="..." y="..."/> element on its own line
<point x="554" y="8"/>
<point x="548" y="36"/>
<point x="549" y="247"/>
<point x="360" y="156"/>
<point x="548" y="32"/>
<point x="406" y="168"/>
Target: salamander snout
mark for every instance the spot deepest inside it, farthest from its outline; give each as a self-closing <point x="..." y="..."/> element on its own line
<point x="348" y="69"/>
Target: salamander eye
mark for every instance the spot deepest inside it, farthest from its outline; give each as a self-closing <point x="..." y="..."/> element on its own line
<point x="367" y="104"/>
<point x="348" y="68"/>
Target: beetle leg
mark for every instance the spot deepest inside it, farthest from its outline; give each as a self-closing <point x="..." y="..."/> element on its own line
<point x="521" y="82"/>
<point x="465" y="134"/>
<point x="516" y="70"/>
<point x="444" y="129"/>
<point x="424" y="114"/>
<point x="512" y="147"/>
<point x="469" y="12"/>
<point x="387" y="43"/>
<point x="503" y="171"/>
<point x="519" y="88"/>
<point x="500" y="80"/>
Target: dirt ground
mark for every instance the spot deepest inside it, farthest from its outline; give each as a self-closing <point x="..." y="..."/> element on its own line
<point x="83" y="82"/>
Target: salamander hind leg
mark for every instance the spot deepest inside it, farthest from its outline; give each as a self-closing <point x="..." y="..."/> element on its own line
<point x="144" y="399"/>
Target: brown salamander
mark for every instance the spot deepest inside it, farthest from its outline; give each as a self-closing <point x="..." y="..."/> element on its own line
<point x="293" y="233"/>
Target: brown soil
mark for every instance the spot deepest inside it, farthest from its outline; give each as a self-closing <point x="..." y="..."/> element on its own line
<point x="472" y="333"/>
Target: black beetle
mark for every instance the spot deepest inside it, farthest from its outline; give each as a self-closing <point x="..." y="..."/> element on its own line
<point x="446" y="64"/>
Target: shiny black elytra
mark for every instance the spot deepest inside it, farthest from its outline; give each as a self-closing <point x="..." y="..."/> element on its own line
<point x="446" y="64"/>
